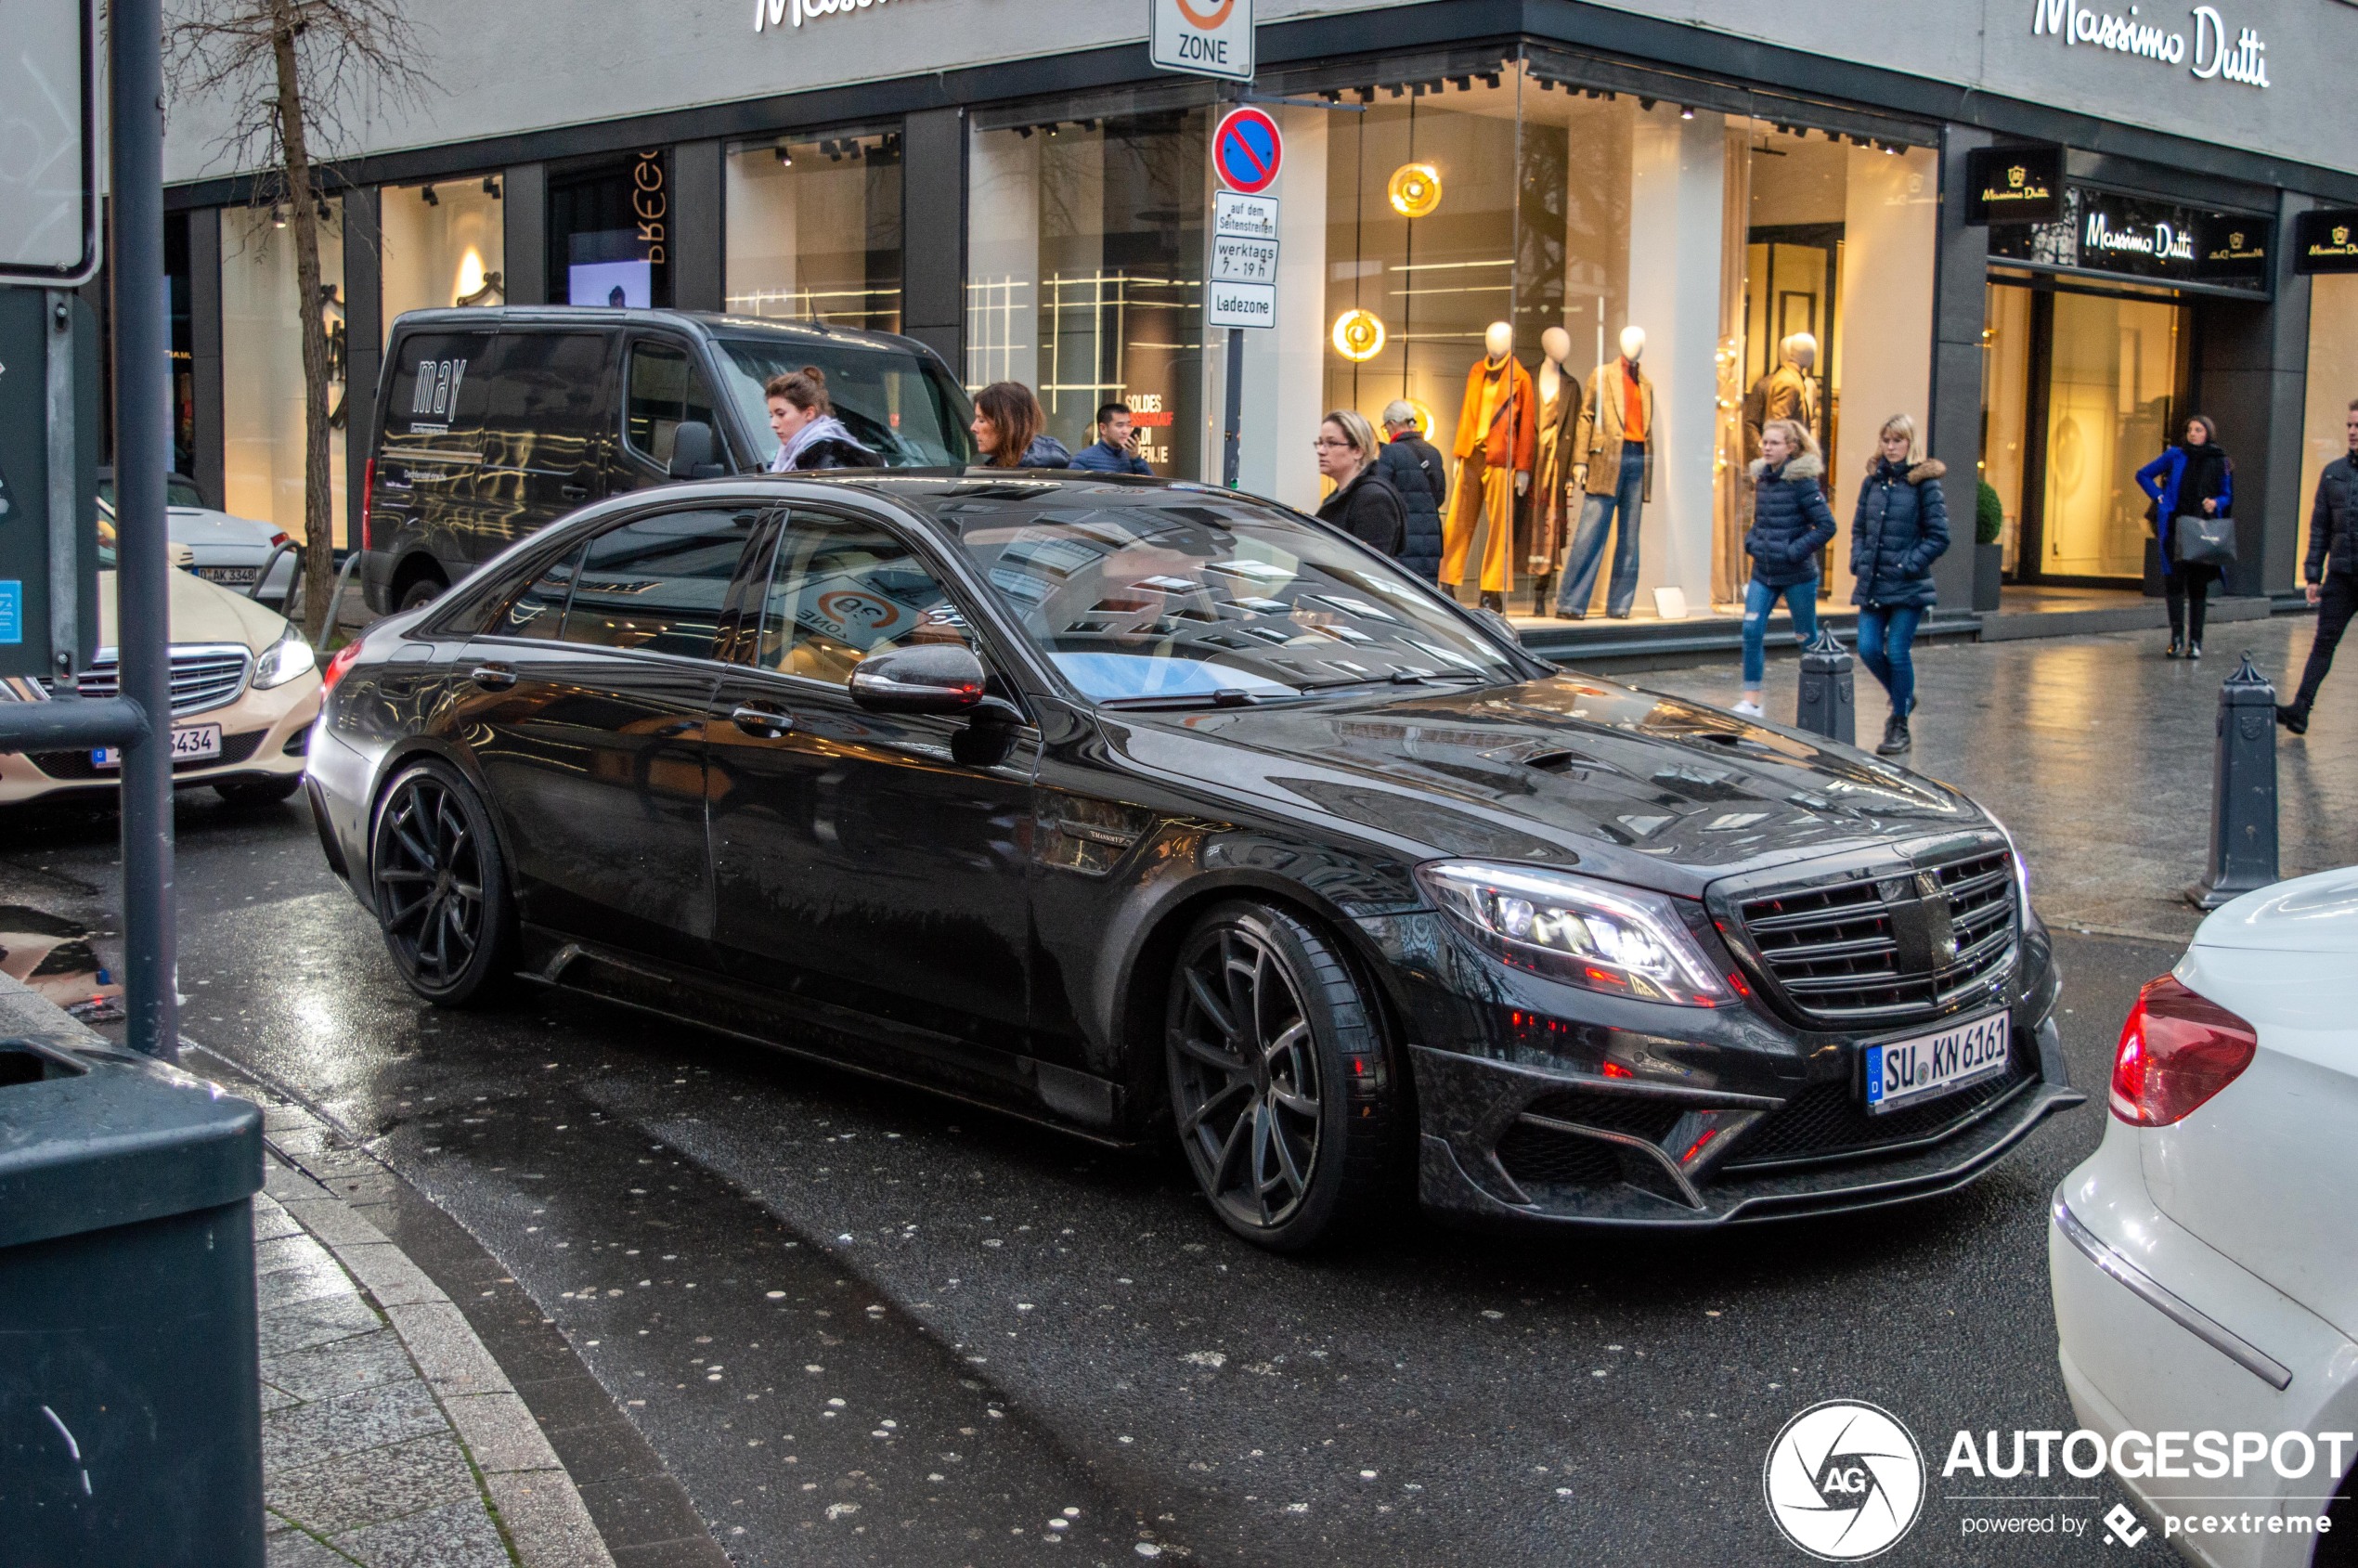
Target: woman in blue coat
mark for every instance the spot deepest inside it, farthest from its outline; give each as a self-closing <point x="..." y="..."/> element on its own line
<point x="1901" y="529"/>
<point x="2194" y="475"/>
<point x="1790" y="524"/>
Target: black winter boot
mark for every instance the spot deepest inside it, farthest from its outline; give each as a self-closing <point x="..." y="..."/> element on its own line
<point x="2292" y="718"/>
<point x="1896" y="739"/>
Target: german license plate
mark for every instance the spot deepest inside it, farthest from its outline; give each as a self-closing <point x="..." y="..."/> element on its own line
<point x="196" y="743"/>
<point x="1902" y="1072"/>
<point x="231" y="577"/>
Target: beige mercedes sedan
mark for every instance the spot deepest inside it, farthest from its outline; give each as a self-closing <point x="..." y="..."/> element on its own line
<point x="244" y="691"/>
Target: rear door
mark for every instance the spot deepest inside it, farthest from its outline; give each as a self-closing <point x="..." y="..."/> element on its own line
<point x="663" y="388"/>
<point x="585" y="703"/>
<point x="548" y="423"/>
<point x="429" y="454"/>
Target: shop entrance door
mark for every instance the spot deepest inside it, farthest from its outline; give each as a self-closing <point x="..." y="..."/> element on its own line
<point x="2080" y="391"/>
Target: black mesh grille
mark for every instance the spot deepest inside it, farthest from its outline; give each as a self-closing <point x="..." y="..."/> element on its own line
<point x="77" y="764"/>
<point x="1646" y="1117"/>
<point x="1839" y="955"/>
<point x="1826" y="1119"/>
<point x="1543" y="1157"/>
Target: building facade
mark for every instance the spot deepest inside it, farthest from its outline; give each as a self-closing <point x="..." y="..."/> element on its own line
<point x="2044" y="230"/>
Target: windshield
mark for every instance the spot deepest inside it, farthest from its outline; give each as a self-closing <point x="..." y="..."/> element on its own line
<point x="898" y="405"/>
<point x="1191" y="597"/>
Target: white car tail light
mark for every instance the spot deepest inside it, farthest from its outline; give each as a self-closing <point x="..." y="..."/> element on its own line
<point x="2177" y="1050"/>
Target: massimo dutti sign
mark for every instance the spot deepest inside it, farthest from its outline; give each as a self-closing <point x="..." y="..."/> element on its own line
<point x="2205" y="47"/>
<point x="2013" y="184"/>
<point x="2107" y="231"/>
<point x="2325" y="241"/>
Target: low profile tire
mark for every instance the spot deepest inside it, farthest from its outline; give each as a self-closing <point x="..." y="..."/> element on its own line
<point x="441" y="887"/>
<point x="1278" y="1080"/>
<point x="258" y="792"/>
<point x="424" y="592"/>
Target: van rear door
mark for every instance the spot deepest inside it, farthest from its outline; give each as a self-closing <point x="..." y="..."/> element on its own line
<point x="548" y="401"/>
<point x="431" y="448"/>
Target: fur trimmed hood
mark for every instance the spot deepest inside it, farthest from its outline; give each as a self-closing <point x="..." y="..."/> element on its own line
<point x="1931" y="468"/>
<point x="1801" y="465"/>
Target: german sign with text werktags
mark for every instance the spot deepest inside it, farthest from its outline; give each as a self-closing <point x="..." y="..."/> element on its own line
<point x="1205" y="37"/>
<point x="1243" y="261"/>
<point x="1242" y="291"/>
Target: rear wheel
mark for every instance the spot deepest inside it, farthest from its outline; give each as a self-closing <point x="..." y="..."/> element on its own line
<point x="441" y="887"/>
<point x="423" y="591"/>
<point x="1278" y="1082"/>
<point x="258" y="792"/>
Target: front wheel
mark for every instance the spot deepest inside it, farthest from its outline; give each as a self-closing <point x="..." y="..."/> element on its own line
<point x="441" y="887"/>
<point x="419" y="594"/>
<point x="1278" y="1080"/>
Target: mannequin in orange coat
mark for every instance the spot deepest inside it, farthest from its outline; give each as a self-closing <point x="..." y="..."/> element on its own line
<point x="1497" y="442"/>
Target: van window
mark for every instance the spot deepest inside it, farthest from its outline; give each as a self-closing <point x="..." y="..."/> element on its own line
<point x="898" y="405"/>
<point x="435" y="387"/>
<point x="547" y="386"/>
<point x="665" y="392"/>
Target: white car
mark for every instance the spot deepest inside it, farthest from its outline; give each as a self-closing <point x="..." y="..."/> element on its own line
<point x="222" y="547"/>
<point x="245" y="689"/>
<point x="2205" y="1258"/>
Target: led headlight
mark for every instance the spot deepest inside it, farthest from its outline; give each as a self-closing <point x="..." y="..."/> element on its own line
<point x="283" y="660"/>
<point x="2022" y="867"/>
<point x="1620" y="940"/>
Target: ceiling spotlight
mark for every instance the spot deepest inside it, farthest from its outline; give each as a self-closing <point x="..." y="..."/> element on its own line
<point x="1414" y="190"/>
<point x="1358" y="335"/>
<point x="785" y="157"/>
<point x="278" y="215"/>
<point x="1685" y="112"/>
<point x="1646" y="104"/>
<point x="491" y="187"/>
<point x="425" y="194"/>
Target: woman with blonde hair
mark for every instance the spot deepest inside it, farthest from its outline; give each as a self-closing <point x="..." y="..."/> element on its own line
<point x="1790" y="524"/>
<point x="1363" y="504"/>
<point x="1901" y="529"/>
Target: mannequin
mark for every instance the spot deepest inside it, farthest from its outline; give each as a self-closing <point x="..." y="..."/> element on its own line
<point x="1789" y="392"/>
<point x="1498" y="437"/>
<point x="1551" y="510"/>
<point x="1612" y="457"/>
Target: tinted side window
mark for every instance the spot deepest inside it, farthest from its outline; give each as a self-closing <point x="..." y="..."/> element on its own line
<point x="435" y="389"/>
<point x="658" y="583"/>
<point x="842" y="589"/>
<point x="540" y="610"/>
<point x="547" y="386"/>
<point x="665" y="391"/>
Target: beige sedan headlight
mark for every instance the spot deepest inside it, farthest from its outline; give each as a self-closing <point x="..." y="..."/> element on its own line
<point x="283" y="660"/>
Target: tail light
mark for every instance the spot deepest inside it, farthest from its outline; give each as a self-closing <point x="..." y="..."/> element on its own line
<point x="278" y="540"/>
<point x="338" y="665"/>
<point x="2177" y="1050"/>
<point x="368" y="496"/>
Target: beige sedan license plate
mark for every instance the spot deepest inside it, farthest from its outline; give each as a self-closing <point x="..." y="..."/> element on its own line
<point x="1902" y="1072"/>
<point x="193" y="743"/>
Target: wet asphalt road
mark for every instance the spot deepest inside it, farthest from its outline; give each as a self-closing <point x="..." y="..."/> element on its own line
<point x="864" y="1326"/>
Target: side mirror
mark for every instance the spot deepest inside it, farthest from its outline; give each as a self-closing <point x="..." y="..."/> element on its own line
<point x="693" y="453"/>
<point x="1501" y="625"/>
<point x="940" y="677"/>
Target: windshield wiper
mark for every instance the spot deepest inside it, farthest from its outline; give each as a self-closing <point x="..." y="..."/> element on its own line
<point x="1226" y="697"/>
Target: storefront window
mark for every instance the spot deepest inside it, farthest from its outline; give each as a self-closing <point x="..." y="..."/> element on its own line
<point x="1085" y="270"/>
<point x="262" y="366"/>
<point x="610" y="228"/>
<point x="2111" y="396"/>
<point x="814" y="228"/>
<point x="2005" y="412"/>
<point x="2333" y="382"/>
<point x="444" y="245"/>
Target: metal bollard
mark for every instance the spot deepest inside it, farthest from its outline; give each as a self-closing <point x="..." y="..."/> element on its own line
<point x="1829" y="703"/>
<point x="2243" y="791"/>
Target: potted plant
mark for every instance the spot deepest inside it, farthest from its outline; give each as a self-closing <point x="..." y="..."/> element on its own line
<point x="1988" y="555"/>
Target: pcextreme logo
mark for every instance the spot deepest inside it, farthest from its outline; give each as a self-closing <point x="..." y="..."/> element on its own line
<point x="1843" y="1481"/>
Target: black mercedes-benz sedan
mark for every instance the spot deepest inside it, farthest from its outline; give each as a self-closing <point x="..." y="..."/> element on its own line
<point x="1148" y="810"/>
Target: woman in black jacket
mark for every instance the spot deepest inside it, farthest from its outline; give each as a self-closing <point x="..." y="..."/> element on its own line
<point x="1790" y="524"/>
<point x="803" y="419"/>
<point x="2195" y="476"/>
<point x="1421" y="475"/>
<point x="1364" y="503"/>
<point x="1901" y="529"/>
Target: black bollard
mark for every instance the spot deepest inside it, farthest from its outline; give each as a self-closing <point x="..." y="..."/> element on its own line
<point x="1829" y="704"/>
<point x="2243" y="791"/>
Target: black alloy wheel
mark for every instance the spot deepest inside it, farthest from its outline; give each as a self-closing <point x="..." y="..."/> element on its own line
<point x="441" y="887"/>
<point x="1279" y="1084"/>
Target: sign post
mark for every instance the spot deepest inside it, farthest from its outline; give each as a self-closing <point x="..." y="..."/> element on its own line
<point x="1203" y="37"/>
<point x="1240" y="289"/>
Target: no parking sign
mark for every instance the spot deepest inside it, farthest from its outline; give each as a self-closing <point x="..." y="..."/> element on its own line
<point x="1246" y="150"/>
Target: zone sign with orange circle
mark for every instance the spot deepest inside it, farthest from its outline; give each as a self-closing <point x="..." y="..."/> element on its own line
<point x="1205" y="37"/>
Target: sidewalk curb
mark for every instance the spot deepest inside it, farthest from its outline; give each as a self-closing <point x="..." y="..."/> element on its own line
<point x="538" y="1501"/>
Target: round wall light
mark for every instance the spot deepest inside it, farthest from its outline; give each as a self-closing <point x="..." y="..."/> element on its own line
<point x="1415" y="189"/>
<point x="1358" y="334"/>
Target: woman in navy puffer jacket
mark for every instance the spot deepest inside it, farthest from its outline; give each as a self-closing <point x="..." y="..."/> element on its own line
<point x="1790" y="524"/>
<point x="1900" y="529"/>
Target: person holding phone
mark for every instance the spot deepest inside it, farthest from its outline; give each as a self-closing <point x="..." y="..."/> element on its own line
<point x="1116" y="448"/>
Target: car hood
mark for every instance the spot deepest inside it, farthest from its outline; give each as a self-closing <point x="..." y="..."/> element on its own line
<point x="201" y="527"/>
<point x="1564" y="770"/>
<point x="2307" y="914"/>
<point x="200" y="613"/>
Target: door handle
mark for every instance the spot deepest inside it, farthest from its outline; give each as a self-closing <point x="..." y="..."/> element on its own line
<point x="766" y="723"/>
<point x="492" y="677"/>
<point x="573" y="492"/>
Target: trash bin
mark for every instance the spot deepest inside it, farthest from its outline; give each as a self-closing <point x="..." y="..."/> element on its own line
<point x="130" y="1401"/>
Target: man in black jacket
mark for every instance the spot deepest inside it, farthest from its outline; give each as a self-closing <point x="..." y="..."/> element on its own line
<point x="2331" y="572"/>
<point x="1417" y="470"/>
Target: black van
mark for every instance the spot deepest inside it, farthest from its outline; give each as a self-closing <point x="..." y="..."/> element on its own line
<point x="493" y="423"/>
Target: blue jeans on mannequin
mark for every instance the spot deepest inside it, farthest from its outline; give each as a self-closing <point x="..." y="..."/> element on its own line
<point x="1759" y="599"/>
<point x="1598" y="513"/>
<point x="1885" y="632"/>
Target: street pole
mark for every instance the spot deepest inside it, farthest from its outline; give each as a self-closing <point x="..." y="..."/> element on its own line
<point x="143" y="586"/>
<point x="1232" y="455"/>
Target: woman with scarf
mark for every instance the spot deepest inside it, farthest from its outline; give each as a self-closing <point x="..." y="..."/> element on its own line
<point x="809" y="436"/>
<point x="2195" y="476"/>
